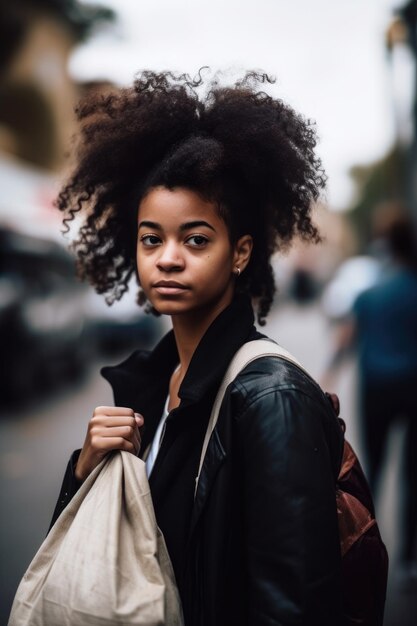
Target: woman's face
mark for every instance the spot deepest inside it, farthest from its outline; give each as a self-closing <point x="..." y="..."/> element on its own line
<point x="186" y="262"/>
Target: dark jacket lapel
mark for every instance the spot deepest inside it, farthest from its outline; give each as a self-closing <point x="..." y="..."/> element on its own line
<point x="142" y="380"/>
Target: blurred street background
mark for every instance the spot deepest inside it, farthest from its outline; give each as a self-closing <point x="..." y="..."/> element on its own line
<point x="351" y="66"/>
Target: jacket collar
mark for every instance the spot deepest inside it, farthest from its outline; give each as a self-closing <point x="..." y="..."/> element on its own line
<point x="142" y="380"/>
<point x="214" y="352"/>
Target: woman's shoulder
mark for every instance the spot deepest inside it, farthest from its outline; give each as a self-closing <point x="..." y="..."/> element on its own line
<point x="275" y="371"/>
<point x="273" y="397"/>
<point x="273" y="378"/>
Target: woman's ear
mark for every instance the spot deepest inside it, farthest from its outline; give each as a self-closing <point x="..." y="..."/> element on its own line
<point x="242" y="253"/>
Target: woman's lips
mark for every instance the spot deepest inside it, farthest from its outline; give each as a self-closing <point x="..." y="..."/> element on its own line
<point x="169" y="288"/>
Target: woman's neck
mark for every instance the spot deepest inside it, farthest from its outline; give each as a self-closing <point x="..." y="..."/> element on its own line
<point x="189" y="330"/>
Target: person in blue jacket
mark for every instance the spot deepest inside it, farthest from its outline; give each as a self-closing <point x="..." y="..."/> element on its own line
<point x="193" y="191"/>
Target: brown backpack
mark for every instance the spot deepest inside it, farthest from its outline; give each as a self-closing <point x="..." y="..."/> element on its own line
<point x="364" y="555"/>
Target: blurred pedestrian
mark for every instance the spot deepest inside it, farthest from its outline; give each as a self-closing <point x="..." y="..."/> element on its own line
<point x="384" y="328"/>
<point x="195" y="194"/>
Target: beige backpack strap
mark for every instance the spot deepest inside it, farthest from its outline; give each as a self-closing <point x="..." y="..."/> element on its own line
<point x="247" y="353"/>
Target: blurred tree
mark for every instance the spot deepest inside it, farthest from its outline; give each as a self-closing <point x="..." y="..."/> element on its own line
<point x="376" y="183"/>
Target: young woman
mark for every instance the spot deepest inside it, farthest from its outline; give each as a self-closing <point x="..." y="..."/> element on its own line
<point x="195" y="193"/>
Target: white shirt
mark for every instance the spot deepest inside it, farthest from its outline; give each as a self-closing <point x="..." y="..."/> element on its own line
<point x="156" y="442"/>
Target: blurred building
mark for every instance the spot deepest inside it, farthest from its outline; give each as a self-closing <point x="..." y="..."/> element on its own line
<point x="42" y="319"/>
<point x="37" y="98"/>
<point x="401" y="46"/>
<point x="37" y="94"/>
<point x="408" y="16"/>
<point x="393" y="178"/>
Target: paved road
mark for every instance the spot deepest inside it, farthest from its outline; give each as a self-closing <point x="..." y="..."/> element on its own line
<point x="35" y="444"/>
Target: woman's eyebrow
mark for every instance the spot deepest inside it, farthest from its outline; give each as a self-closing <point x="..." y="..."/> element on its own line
<point x="147" y="224"/>
<point x="185" y="226"/>
<point x="196" y="224"/>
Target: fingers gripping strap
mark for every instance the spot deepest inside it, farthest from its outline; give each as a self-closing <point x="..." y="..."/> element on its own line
<point x="249" y="352"/>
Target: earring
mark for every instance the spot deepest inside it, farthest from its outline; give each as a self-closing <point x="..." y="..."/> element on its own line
<point x="237" y="272"/>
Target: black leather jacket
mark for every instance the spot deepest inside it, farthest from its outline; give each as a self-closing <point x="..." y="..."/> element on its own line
<point x="259" y="544"/>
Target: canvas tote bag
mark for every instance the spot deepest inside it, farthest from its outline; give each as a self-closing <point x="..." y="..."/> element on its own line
<point x="104" y="561"/>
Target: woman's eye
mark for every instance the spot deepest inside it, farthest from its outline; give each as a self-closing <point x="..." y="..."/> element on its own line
<point x="197" y="241"/>
<point x="150" y="240"/>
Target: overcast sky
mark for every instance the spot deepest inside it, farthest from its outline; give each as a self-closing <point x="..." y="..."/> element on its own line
<point x="328" y="57"/>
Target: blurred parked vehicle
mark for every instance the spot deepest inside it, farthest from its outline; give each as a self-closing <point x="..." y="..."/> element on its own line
<point x="51" y="324"/>
<point x="41" y="316"/>
<point x="121" y="327"/>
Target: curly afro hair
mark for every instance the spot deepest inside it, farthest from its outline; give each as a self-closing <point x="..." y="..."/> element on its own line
<point x="248" y="153"/>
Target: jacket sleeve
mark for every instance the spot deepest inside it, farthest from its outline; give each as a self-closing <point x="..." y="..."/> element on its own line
<point x="291" y="543"/>
<point x="69" y="487"/>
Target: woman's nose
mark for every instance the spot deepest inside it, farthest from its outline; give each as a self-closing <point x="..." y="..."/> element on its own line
<point x="170" y="258"/>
